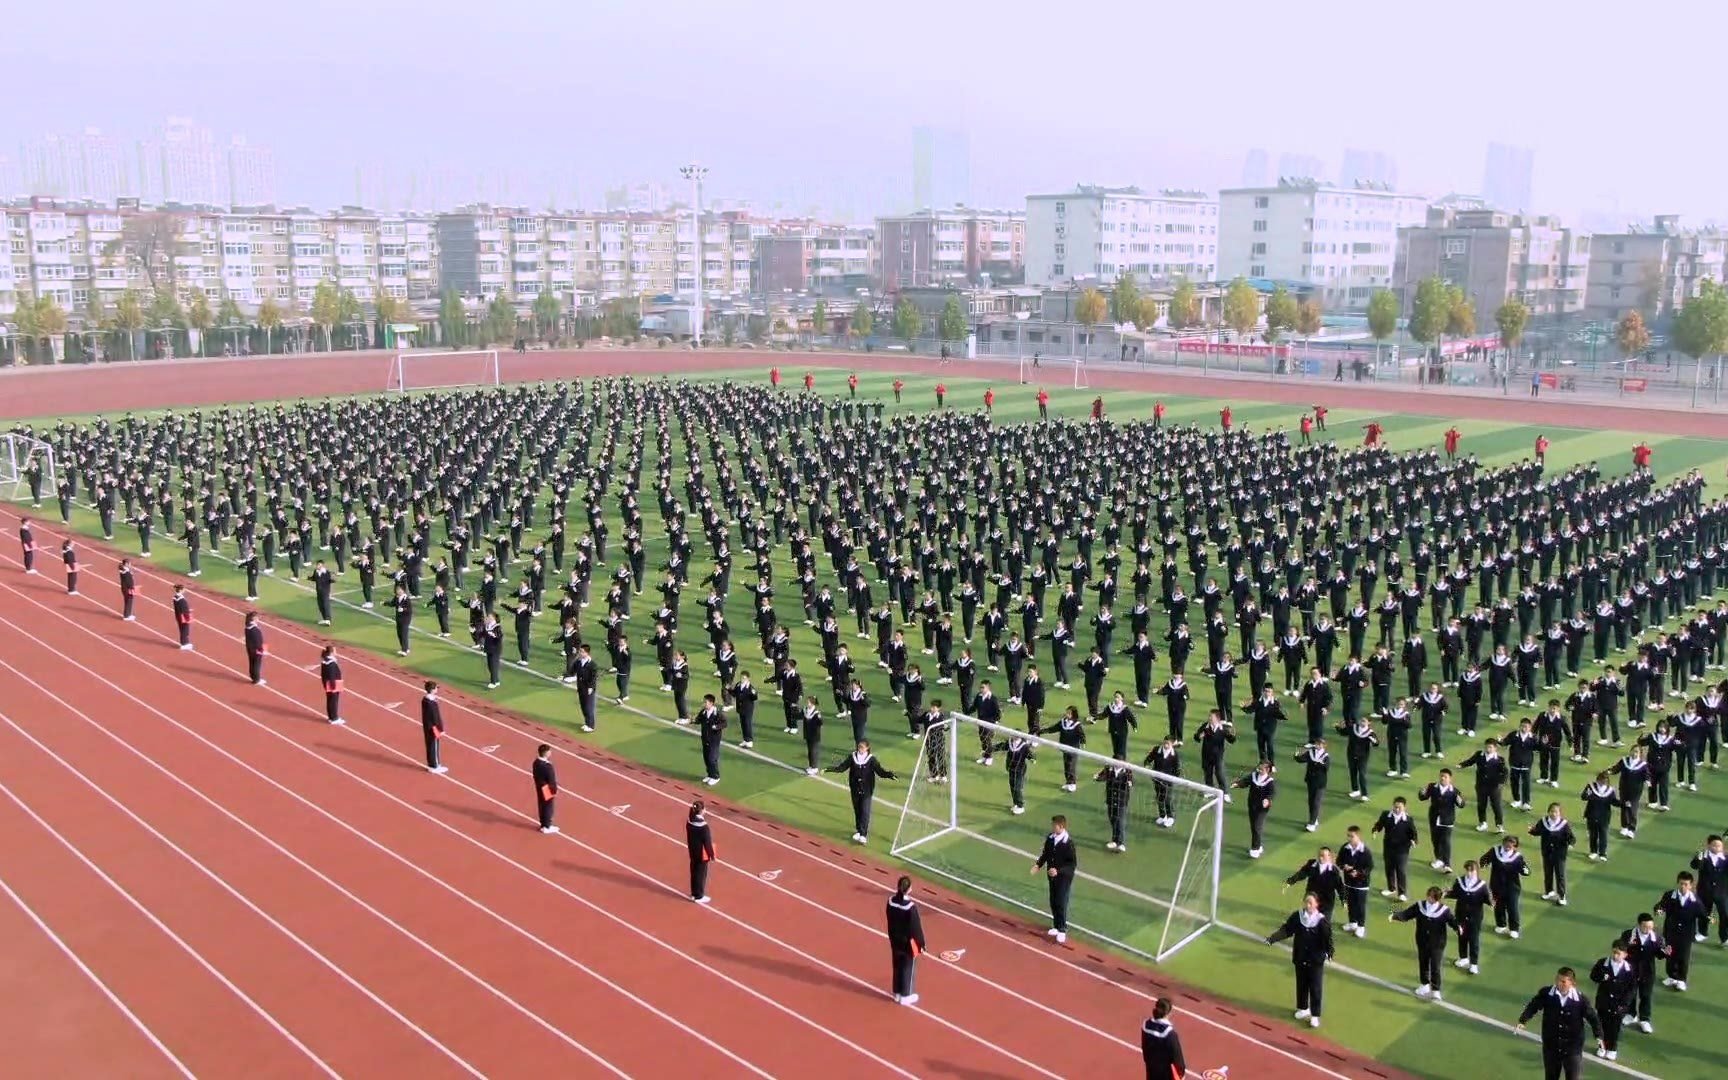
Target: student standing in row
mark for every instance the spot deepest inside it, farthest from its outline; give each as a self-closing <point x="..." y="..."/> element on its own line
<point x="1261" y="786"/>
<point x="699" y="839"/>
<point x="1565" y="1014"/>
<point x="905" y="942"/>
<point x="1444" y="802"/>
<point x="1310" y="935"/>
<point x="1616" y="988"/>
<point x="69" y="556"/>
<point x="710" y="726"/>
<point x="432" y="728"/>
<point x="1397" y="837"/>
<point x="1433" y="921"/>
<point x="1058" y="860"/>
<point x="545" y="788"/>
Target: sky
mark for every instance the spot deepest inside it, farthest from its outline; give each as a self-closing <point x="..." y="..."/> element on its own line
<point x="801" y="105"/>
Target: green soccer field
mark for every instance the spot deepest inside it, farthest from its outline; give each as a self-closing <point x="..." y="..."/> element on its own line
<point x="1363" y="1012"/>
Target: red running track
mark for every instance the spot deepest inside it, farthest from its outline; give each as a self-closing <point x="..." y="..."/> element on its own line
<point x="80" y="389"/>
<point x="266" y="892"/>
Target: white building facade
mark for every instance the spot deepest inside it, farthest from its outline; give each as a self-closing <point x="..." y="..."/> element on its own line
<point x="1103" y="233"/>
<point x="1342" y="241"/>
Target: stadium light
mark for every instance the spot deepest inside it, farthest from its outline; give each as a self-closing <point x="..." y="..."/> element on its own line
<point x="696" y="174"/>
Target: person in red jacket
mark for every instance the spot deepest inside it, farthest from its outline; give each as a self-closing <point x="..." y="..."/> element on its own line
<point x="899" y="385"/>
<point x="1157" y="414"/>
<point x="774" y="377"/>
<point x="1224" y="417"/>
<point x="1098" y="408"/>
<point x="809" y="381"/>
<point x="1320" y="417"/>
<point x="1541" y="449"/>
<point x="989" y="398"/>
<point x="941" y="393"/>
<point x="1307" y="426"/>
<point x="1043" y="404"/>
<point x="1452" y="437"/>
<point x="1374" y="430"/>
<point x="852" y="383"/>
<point x="1641" y="456"/>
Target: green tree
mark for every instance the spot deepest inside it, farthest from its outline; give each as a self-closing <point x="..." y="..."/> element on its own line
<point x="907" y="321"/>
<point x="547" y="311"/>
<point x="819" y="318"/>
<point x="269" y="319"/>
<point x="326" y="309"/>
<point x="1460" y="313"/>
<point x="229" y="316"/>
<point x="452" y="319"/>
<point x="47" y="320"/>
<point x="500" y="318"/>
<point x="129" y="318"/>
<point x="1125" y="300"/>
<point x="1090" y="308"/>
<point x="1241" y="307"/>
<point x="1309" y="318"/>
<point x="1430" y="310"/>
<point x="1146" y="313"/>
<point x="952" y="325"/>
<point x="1631" y="334"/>
<point x="1281" y="313"/>
<point x="200" y="318"/>
<point x="165" y="310"/>
<point x="863" y="319"/>
<point x="349" y="312"/>
<point x="1382" y="318"/>
<point x="1184" y="306"/>
<point x="1511" y="317"/>
<point x="1701" y="328"/>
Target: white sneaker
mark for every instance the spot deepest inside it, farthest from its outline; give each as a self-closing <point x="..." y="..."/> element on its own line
<point x="1255" y="853"/>
<point x="1646" y="1027"/>
<point x="811" y="772"/>
<point x="1483" y="827"/>
<point x="1436" y="864"/>
<point x="1461" y="963"/>
<point x="1361" y="931"/>
<point x="1513" y="934"/>
<point x="1393" y="773"/>
<point x="1303" y="1014"/>
<point x="549" y="830"/>
<point x="1437" y="996"/>
<point x="1680" y="985"/>
<point x="1313" y="1021"/>
<point x="1423" y="991"/>
<point x="702" y="900"/>
<point x="588" y="727"/>
<point x="1501" y="930"/>
<point x="1475" y="969"/>
<point x="909" y="999"/>
<point x="1548" y="895"/>
<point x="1019" y="810"/>
<point x="440" y="769"/>
<point x="1310" y="827"/>
<point x="1070" y="787"/>
<point x="1111" y="846"/>
<point x="857" y="838"/>
<point x="338" y="722"/>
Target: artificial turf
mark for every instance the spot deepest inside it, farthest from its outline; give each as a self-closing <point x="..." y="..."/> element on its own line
<point x="1397" y="1028"/>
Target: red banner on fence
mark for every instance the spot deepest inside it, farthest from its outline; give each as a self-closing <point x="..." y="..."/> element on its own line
<point x="1196" y="345"/>
<point x="1635" y="386"/>
<point x="1550" y="382"/>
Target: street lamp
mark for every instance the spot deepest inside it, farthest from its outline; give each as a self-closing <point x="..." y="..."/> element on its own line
<point x="696" y="174"/>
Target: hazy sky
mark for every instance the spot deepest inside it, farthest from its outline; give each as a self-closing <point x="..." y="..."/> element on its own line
<point x="802" y="103"/>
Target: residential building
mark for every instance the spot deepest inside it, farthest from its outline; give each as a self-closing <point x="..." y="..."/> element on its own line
<point x="1495" y="256"/>
<point x="814" y="257"/>
<point x="949" y="247"/>
<point x="90" y="166"/>
<point x="1102" y="233"/>
<point x="1341" y="241"/>
<point x="1291" y="163"/>
<point x="1653" y="270"/>
<point x="1508" y="177"/>
<point x="1368" y="167"/>
<point x="180" y="165"/>
<point x="251" y="174"/>
<point x="941" y="167"/>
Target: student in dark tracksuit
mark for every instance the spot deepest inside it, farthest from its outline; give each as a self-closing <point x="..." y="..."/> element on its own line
<point x="1397" y="837"/>
<point x="255" y="648"/>
<point x="128" y="591"/>
<point x="710" y="725"/>
<point x="1261" y="786"/>
<point x="330" y="677"/>
<point x="1616" y="990"/>
<point x="1565" y="1014"/>
<point x="432" y="727"/>
<point x="1433" y="921"/>
<point x="1160" y="1046"/>
<point x="69" y="556"/>
<point x="1444" y="801"/>
<point x="1058" y="861"/>
<point x="1646" y="949"/>
<point x="699" y="838"/>
<point x="1310" y="935"/>
<point x="1684" y="919"/>
<point x="545" y="787"/>
<point x="862" y="771"/>
<point x="905" y="942"/>
<point x="183" y="617"/>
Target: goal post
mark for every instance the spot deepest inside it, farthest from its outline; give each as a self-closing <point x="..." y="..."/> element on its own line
<point x="1081" y="382"/>
<point x="1153" y="894"/>
<point x="433" y="369"/>
<point x="27" y="468"/>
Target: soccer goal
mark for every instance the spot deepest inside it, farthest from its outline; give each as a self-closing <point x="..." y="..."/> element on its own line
<point x="1152" y="894"/>
<point x="437" y="370"/>
<point x="1081" y="382"/>
<point x="27" y="469"/>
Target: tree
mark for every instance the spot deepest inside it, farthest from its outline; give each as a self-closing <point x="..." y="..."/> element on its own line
<point x="452" y="319"/>
<point x="1309" y="318"/>
<point x="1701" y="328"/>
<point x="151" y="244"/>
<point x="547" y="310"/>
<point x="952" y="325"/>
<point x="1090" y="308"/>
<point x="1511" y="317"/>
<point x="1146" y="313"/>
<point x="500" y="318"/>
<point x="1184" y="306"/>
<point x="41" y="317"/>
<point x="387" y="311"/>
<point x="819" y="318"/>
<point x="129" y="318"/>
<point x="1430" y="310"/>
<point x="1382" y="318"/>
<point x="1460" y="313"/>
<point x="1280" y="314"/>
<point x="269" y="318"/>
<point x="326" y="309"/>
<point x="863" y="319"/>
<point x="907" y="320"/>
<point x="200" y="318"/>
<point x="348" y="309"/>
<point x="1125" y="300"/>
<point x="229" y="313"/>
<point x="1241" y="307"/>
<point x="1631" y="334"/>
<point x="165" y="310"/>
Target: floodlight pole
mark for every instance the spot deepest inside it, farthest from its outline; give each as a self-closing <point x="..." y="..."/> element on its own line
<point x="696" y="174"/>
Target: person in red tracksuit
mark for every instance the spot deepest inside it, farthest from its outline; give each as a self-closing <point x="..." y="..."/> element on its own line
<point x="69" y="556"/>
<point x="28" y="539"/>
<point x="852" y="384"/>
<point x="255" y="649"/>
<point x="1224" y="417"/>
<point x="330" y="675"/>
<point x="1307" y="426"/>
<point x="1453" y="435"/>
<point x="1641" y="456"/>
<point x="809" y="381"/>
<point x="1043" y="404"/>
<point x="699" y="838"/>
<point x="941" y="393"/>
<point x="989" y="398"/>
<point x="774" y="377"/>
<point x="899" y="385"/>
<point x="183" y="617"/>
<point x="1157" y="414"/>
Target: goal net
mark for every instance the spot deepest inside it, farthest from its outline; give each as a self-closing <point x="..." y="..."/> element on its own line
<point x="1151" y="894"/>
<point x="27" y="469"/>
<point x="435" y="370"/>
<point x="1080" y="380"/>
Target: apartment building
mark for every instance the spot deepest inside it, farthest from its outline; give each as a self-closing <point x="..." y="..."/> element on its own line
<point x="951" y="247"/>
<point x="814" y="257"/>
<point x="1651" y="269"/>
<point x="1494" y="256"/>
<point x="1341" y="241"/>
<point x="1102" y="233"/>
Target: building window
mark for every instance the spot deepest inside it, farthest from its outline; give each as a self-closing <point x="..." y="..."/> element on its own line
<point x="1259" y="249"/>
<point x="1057" y="269"/>
<point x="1257" y="270"/>
<point x="1456" y="247"/>
<point x="1614" y="270"/>
<point x="1061" y="208"/>
<point x="1261" y="202"/>
<point x="1259" y="224"/>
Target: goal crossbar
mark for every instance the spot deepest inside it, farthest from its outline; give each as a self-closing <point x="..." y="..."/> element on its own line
<point x="16" y="455"/>
<point x="435" y="369"/>
<point x="948" y="832"/>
